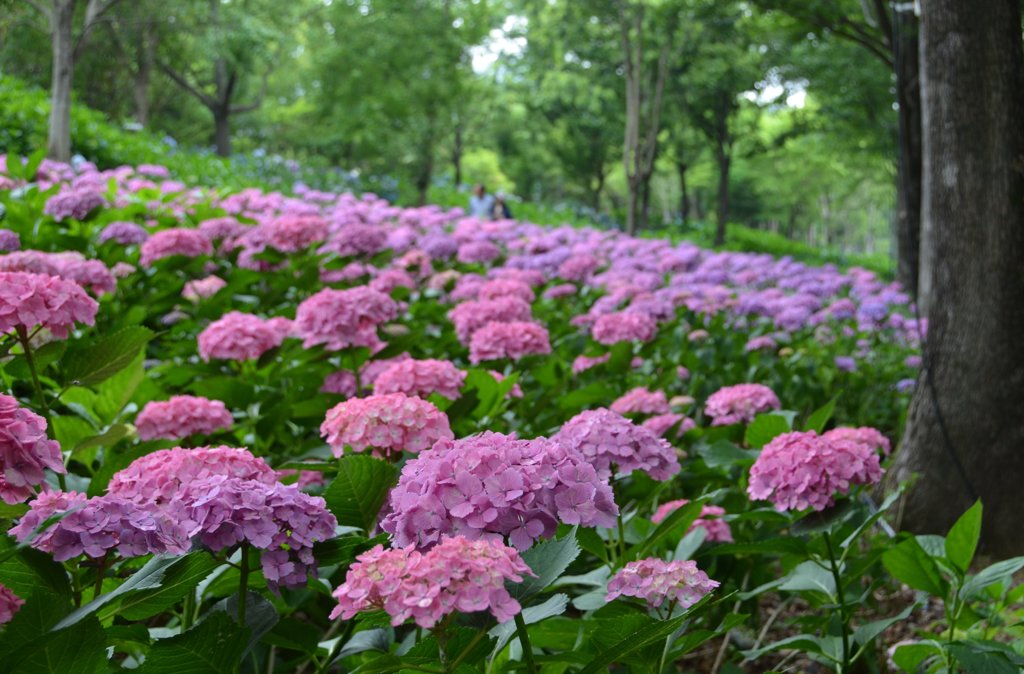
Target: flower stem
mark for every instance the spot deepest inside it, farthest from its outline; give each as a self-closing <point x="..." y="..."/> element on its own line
<point x="844" y="617"/>
<point x="622" y="536"/>
<point x="524" y="641"/>
<point x="101" y="571"/>
<point x="26" y="345"/>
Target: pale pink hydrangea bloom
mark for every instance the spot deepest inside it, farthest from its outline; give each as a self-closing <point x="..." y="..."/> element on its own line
<point x="469" y="317"/>
<point x="202" y="288"/>
<point x="238" y="336"/>
<point x="492" y="290"/>
<point x="698" y="335"/>
<point x="657" y="582"/>
<point x="385" y="424"/>
<point x="624" y="326"/>
<point x="660" y="424"/>
<point x="421" y="378"/>
<point x="641" y="401"/>
<point x="25" y="451"/>
<point x="182" y="416"/>
<point x="122" y="270"/>
<point x="762" y="343"/>
<point x="740" y="403"/>
<point x="341" y="382"/>
<point x="97" y="525"/>
<point x="28" y="300"/>
<point x="558" y="291"/>
<point x="715" y="528"/>
<point x="495" y="486"/>
<point x="10" y="603"/>
<point x="584" y="363"/>
<point x="175" y="241"/>
<point x="801" y="470"/>
<point x="608" y="439"/>
<point x="342" y="318"/>
<point x="869" y="438"/>
<point x="456" y="575"/>
<point x="305" y="478"/>
<point x="496" y="341"/>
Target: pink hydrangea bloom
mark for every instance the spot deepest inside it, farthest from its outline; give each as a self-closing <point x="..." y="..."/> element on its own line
<point x="715" y="528"/>
<point x="657" y="582"/>
<point x="202" y="288"/>
<point x="222" y="229"/>
<point x="578" y="267"/>
<point x="92" y="275"/>
<point x="494" y="486"/>
<point x="870" y="438"/>
<point x="641" y="401"/>
<point x="182" y="416"/>
<point x="292" y="233"/>
<point x="584" y="363"/>
<point x="359" y="239"/>
<point x="342" y="382"/>
<point x="558" y="291"/>
<point x="456" y="575"/>
<point x="124" y="233"/>
<point x="421" y="378"/>
<point x="469" y="317"/>
<point x="10" y="603"/>
<point x="238" y="336"/>
<point x="342" y="318"/>
<point x="372" y="369"/>
<point x="515" y="392"/>
<point x="390" y="279"/>
<point x="478" y="252"/>
<point x="624" y="326"/>
<point x="305" y="478"/>
<point x="514" y="340"/>
<point x="28" y="300"/>
<point x="660" y="424"/>
<point x="386" y="424"/>
<point x="608" y="439"/>
<point x="492" y="290"/>
<point x="175" y="241"/>
<point x="802" y="470"/>
<point x="25" y="451"/>
<point x="73" y="203"/>
<point x="97" y="525"/>
<point x="158" y="477"/>
<point x="740" y="403"/>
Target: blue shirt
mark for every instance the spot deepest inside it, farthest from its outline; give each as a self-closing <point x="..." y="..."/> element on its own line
<point x="481" y="207"/>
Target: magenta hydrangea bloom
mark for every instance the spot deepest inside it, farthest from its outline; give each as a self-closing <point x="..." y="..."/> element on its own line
<point x="641" y="401"/>
<point x="660" y="424"/>
<point x="657" y="582"/>
<point x="202" y="288"/>
<point x="469" y="317"/>
<point x="496" y="341"/>
<point x="28" y="300"/>
<point x="457" y="574"/>
<point x="25" y="451"/>
<point x="608" y="439"/>
<point x="715" y="528"/>
<point x="238" y="336"/>
<point x="182" y="416"/>
<point x="869" y="438"/>
<point x="493" y="486"/>
<point x="10" y="604"/>
<point x="421" y="378"/>
<point x="740" y="403"/>
<point x="584" y="363"/>
<point x="578" y="267"/>
<point x="476" y="252"/>
<point x="292" y="233"/>
<point x="73" y="203"/>
<point x="342" y="318"/>
<point x="801" y="470"/>
<point x="124" y="233"/>
<point x="492" y="290"/>
<point x="97" y="525"/>
<point x="385" y="424"/>
<point x="159" y="477"/>
<point x="624" y="326"/>
<point x="175" y="241"/>
<point x="341" y="382"/>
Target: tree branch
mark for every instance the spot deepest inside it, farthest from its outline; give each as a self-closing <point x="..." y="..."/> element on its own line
<point x="208" y="101"/>
<point x="94" y="12"/>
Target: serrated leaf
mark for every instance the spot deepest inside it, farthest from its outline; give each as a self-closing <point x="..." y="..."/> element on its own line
<point x="179" y="579"/>
<point x="764" y="428"/>
<point x="214" y="646"/>
<point x="358" y="492"/>
<point x="260" y="615"/>
<point x="29" y="645"/>
<point x="962" y="539"/>
<point x="549" y="560"/>
<point x="819" y="418"/>
<point x="93" y="363"/>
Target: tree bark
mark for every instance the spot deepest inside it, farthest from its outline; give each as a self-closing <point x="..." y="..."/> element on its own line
<point x="908" y="192"/>
<point x="457" y="155"/>
<point x="965" y="432"/>
<point x="724" y="163"/>
<point x="62" y="42"/>
<point x="684" y="197"/>
<point x="222" y="132"/>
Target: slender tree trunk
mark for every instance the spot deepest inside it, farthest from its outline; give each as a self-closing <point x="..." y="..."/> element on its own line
<point x="222" y="131"/>
<point x="457" y="155"/>
<point x="62" y="42"/>
<point x="724" y="162"/>
<point x="684" y="197"/>
<point x="595" y="193"/>
<point x="908" y="95"/>
<point x="145" y="60"/>
<point x="631" y="207"/>
<point x="965" y="432"/>
<point x="645" y="202"/>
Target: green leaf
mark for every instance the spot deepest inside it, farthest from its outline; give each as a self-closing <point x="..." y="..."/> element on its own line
<point x="179" y="579"/>
<point x="804" y="642"/>
<point x="977" y="661"/>
<point x="26" y="571"/>
<point x="996" y="573"/>
<point x="678" y="521"/>
<point x="114" y="393"/>
<point x="810" y="576"/>
<point x="909" y="657"/>
<point x="28" y="645"/>
<point x="92" y="364"/>
<point x="107" y="438"/>
<point x="763" y="428"/>
<point x="358" y="492"/>
<point x="260" y="615"/>
<point x="549" y="560"/>
<point x="819" y="418"/>
<point x="910" y="564"/>
<point x="723" y="454"/>
<point x="962" y="539"/>
<point x="867" y="632"/>
<point x="214" y="646"/>
<point x="555" y="605"/>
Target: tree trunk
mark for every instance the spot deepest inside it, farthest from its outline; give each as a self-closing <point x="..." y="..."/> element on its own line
<point x="62" y="42"/>
<point x="631" y="207"/>
<point x="222" y="132"/>
<point x="595" y="194"/>
<point x="684" y="197"/>
<point x="645" y="202"/>
<point x="908" y="95"/>
<point x="457" y="155"/>
<point x="965" y="431"/>
<point x="724" y="161"/>
<point x="145" y="60"/>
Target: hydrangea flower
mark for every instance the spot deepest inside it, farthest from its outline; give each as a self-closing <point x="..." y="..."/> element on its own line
<point x="740" y="403"/>
<point x="9" y="241"/>
<point x="715" y="529"/>
<point x="584" y="363"/>
<point x="496" y="341"/>
<point x="578" y="267"/>
<point x="25" y="451"/>
<point x="476" y="252"/>
<point x="657" y="582"/>
<point x="801" y="470"/>
<point x="182" y="416"/>
<point x="421" y="378"/>
<point x="341" y="382"/>
<point x="624" y="326"/>
<point x="124" y="233"/>
<point x="10" y="604"/>
<point x="386" y="424"/>
<point x="660" y="424"/>
<point x="28" y="300"/>
<point x="94" y="526"/>
<point x="73" y="203"/>
<point x="493" y="486"/>
<point x="762" y="343"/>
<point x="292" y="233"/>
<point x="238" y="336"/>
<point x="92" y="275"/>
<point x="359" y="239"/>
<point x="869" y="438"/>
<point x="492" y="290"/>
<point x="175" y="241"/>
<point x="608" y="439"/>
<point x="342" y="318"/>
<point x="458" y="574"/>
<point x="469" y="317"/>
<point x="202" y="288"/>
<point x="641" y="401"/>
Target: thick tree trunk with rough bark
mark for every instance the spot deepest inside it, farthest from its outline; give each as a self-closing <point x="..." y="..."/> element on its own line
<point x="908" y="193"/>
<point x="62" y="42"/>
<point x="965" y="429"/>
